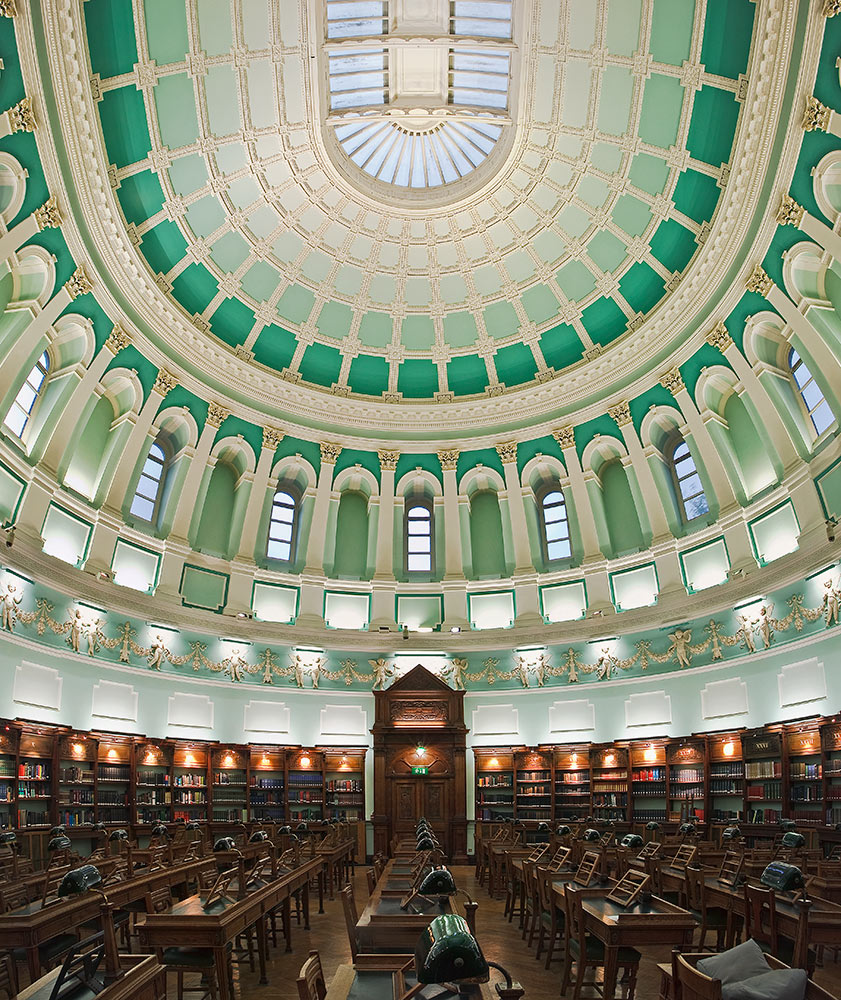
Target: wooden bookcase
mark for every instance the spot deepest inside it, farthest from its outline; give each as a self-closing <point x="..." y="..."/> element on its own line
<point x="229" y="785"/>
<point x="726" y="795"/>
<point x="831" y="747"/>
<point x="610" y="779"/>
<point x="649" y="781"/>
<point x="153" y="784"/>
<point x="533" y="786"/>
<point x="267" y="785"/>
<point x="572" y="784"/>
<point x="189" y="784"/>
<point x="687" y="781"/>
<point x="494" y="786"/>
<point x="804" y="792"/>
<point x="764" y="768"/>
<point x="305" y="786"/>
<point x="76" y="780"/>
<point x="344" y="785"/>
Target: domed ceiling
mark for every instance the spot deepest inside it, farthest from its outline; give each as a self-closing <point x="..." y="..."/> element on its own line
<point x="619" y="123"/>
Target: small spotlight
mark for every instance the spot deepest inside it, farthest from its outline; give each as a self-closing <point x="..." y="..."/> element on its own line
<point x="455" y="628"/>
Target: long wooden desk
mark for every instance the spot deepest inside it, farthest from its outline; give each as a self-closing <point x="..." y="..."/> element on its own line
<point x="496" y="864"/>
<point x="382" y="925"/>
<point x="189" y="924"/>
<point x="337" y="863"/>
<point x="378" y="984"/>
<point x="32" y="925"/>
<point x="144" y="979"/>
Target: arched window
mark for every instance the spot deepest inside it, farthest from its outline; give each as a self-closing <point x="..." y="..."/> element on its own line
<point x="555" y="525"/>
<point x="282" y="526"/>
<point x="813" y="399"/>
<point x="147" y="496"/>
<point x="21" y="410"/>
<point x="690" y="491"/>
<point x="418" y="537"/>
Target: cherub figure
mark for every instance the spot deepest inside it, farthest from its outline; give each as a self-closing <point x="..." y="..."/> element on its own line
<point x="604" y="665"/>
<point x="572" y="657"/>
<point x="316" y="673"/>
<point x="236" y="666"/>
<point x="10" y="601"/>
<point x="91" y="635"/>
<point x="298" y="668"/>
<point x="715" y="644"/>
<point x="76" y="626"/>
<point x="680" y="646"/>
<point x="456" y="671"/>
<point x="745" y="633"/>
<point x="831" y="597"/>
<point x="763" y="625"/>
<point x="540" y="669"/>
<point x="382" y="673"/>
<point x="156" y="653"/>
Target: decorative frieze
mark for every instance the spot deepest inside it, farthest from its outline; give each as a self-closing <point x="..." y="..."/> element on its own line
<point x="48" y="215"/>
<point x="672" y="381"/>
<point x="272" y="437"/>
<point x="565" y="436"/>
<point x="815" y="116"/>
<point x="621" y="412"/>
<point x="448" y="459"/>
<point x="789" y="213"/>
<point x="117" y="339"/>
<point x="22" y="117"/>
<point x="719" y="337"/>
<point x="507" y="451"/>
<point x="165" y="382"/>
<point x="78" y="283"/>
<point x="216" y="413"/>
<point x="388" y="460"/>
<point x="759" y="281"/>
<point x="330" y="452"/>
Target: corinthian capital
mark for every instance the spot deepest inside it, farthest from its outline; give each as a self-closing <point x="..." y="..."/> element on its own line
<point x="789" y="213"/>
<point x="565" y="436"/>
<point x="719" y="337"/>
<point x="7" y="8"/>
<point x="216" y="413"/>
<point x="507" y="451"/>
<point x="831" y="8"/>
<point x="330" y="452"/>
<point x="78" y="283"/>
<point x="118" y="338"/>
<point x="758" y="281"/>
<point x="272" y="438"/>
<point x="448" y="459"/>
<point x="672" y="381"/>
<point x="815" y="116"/>
<point x="48" y="215"/>
<point x="22" y="117"/>
<point x="621" y="412"/>
<point x="165" y="382"/>
<point x="388" y="460"/>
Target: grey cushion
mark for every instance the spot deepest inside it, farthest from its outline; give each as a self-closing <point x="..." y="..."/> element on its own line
<point x="741" y="962"/>
<point x="781" y="984"/>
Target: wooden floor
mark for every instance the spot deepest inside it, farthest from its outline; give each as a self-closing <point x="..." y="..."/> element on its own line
<point x="500" y="941"/>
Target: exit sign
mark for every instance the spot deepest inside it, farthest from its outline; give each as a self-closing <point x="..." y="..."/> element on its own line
<point x="420" y="769"/>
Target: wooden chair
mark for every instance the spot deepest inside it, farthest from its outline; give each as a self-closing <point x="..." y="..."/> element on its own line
<point x="371" y="878"/>
<point x="351" y="918"/>
<point x="761" y="925"/>
<point x="183" y="961"/>
<point x="550" y="921"/>
<point x="690" y="984"/>
<point x="531" y="906"/>
<point x="513" y="896"/>
<point x="8" y="976"/>
<point x="711" y="918"/>
<point x="586" y="951"/>
<point x="311" y="984"/>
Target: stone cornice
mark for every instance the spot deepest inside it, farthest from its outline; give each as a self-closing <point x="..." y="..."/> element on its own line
<point x="371" y="423"/>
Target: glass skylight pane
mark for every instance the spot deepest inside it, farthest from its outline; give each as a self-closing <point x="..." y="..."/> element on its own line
<point x="347" y="19"/>
<point x="481" y="62"/>
<point x="822" y="417"/>
<point x="141" y="507"/>
<point x="478" y="98"/>
<point x="486" y="29"/>
<point x="468" y="80"/>
<point x="358" y="99"/>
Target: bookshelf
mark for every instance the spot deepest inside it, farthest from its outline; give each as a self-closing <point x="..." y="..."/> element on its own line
<point x="113" y="783"/>
<point x="727" y="780"/>
<point x="763" y="777"/>
<point x="35" y="781"/>
<point x="229" y="787"/>
<point x="687" y="782"/>
<point x="305" y="788"/>
<point x="8" y="775"/>
<point x="572" y="783"/>
<point x="805" y="792"/>
<point x="267" y="785"/>
<point x="831" y="745"/>
<point x="189" y="784"/>
<point x="344" y="786"/>
<point x="648" y="783"/>
<point x="609" y="770"/>
<point x="77" y="760"/>
<point x="494" y="785"/>
<point x="533" y="786"/>
<point x="153" y="784"/>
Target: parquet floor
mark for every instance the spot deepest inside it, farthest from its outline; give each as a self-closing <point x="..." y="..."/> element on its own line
<point x="500" y="941"/>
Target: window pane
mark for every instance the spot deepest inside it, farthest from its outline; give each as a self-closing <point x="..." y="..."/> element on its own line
<point x="554" y="532"/>
<point x="553" y="498"/>
<point x="16" y="420"/>
<point x="691" y="486"/>
<point x="822" y="416"/>
<point x="696" y="506"/>
<point x="280" y="531"/>
<point x="558" y="550"/>
<point x="418" y="527"/>
<point x="418" y="544"/>
<point x="812" y="395"/>
<point x="419" y="513"/>
<point x="279" y="550"/>
<point x="141" y="507"/>
<point x="801" y="374"/>
<point x="418" y="563"/>
<point x="153" y="469"/>
<point x="555" y="514"/>
<point x="26" y="397"/>
<point x="147" y="487"/>
<point x="681" y="451"/>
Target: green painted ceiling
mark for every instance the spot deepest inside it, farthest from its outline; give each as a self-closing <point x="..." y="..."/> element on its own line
<point x="628" y="111"/>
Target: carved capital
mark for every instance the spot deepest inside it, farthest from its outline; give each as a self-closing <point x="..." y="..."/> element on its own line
<point x="165" y="382"/>
<point x="272" y="437"/>
<point x="388" y="460"/>
<point x="118" y="338"/>
<point x="448" y="459"/>
<point x="830" y="8"/>
<point x="789" y="213"/>
<point x="216" y="413"/>
<point x="621" y="412"/>
<point x="758" y="281"/>
<point x="330" y="452"/>
<point x="815" y="116"/>
<point x="565" y="436"/>
<point x="507" y="451"/>
<point x="78" y="283"/>
<point x="719" y="337"/>
<point x="8" y="9"/>
<point x="48" y="215"/>
<point x="672" y="381"/>
<point x="22" y="117"/>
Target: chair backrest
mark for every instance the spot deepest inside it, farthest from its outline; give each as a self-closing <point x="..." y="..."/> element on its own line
<point x="531" y="884"/>
<point x="543" y="884"/>
<point x="351" y="917"/>
<point x="690" y="984"/>
<point x="311" y="984"/>
<point x="694" y="881"/>
<point x="158" y="900"/>
<point x="574" y="918"/>
<point x="371" y="876"/>
<point x="761" y="915"/>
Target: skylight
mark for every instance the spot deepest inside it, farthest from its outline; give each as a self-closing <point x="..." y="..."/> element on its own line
<point x="410" y="104"/>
